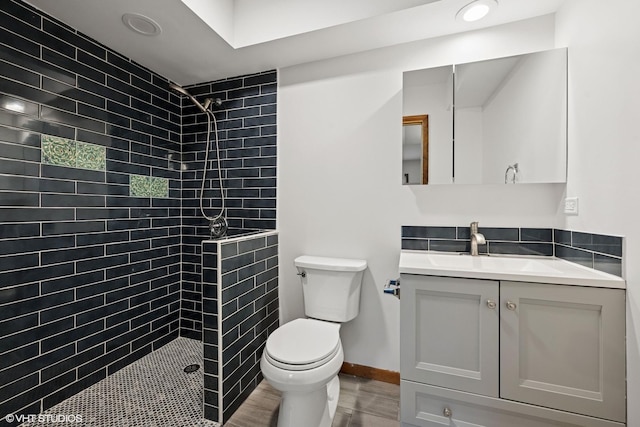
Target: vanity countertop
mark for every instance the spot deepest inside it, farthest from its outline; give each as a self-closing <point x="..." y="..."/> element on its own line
<point x="505" y="267"/>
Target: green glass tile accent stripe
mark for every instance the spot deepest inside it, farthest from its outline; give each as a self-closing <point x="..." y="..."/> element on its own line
<point x="58" y="151"/>
<point x="158" y="187"/>
<point x="91" y="156"/>
<point x="66" y="152"/>
<point x="148" y="186"/>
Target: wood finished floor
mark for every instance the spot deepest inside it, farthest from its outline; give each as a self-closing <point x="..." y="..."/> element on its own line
<point x="362" y="403"/>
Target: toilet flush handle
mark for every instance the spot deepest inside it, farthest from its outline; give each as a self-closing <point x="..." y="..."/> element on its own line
<point x="303" y="274"/>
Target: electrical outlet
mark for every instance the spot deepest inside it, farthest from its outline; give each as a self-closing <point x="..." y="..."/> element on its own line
<point x="571" y="206"/>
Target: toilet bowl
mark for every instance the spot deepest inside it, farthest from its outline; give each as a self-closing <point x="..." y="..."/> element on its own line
<point x="302" y="358"/>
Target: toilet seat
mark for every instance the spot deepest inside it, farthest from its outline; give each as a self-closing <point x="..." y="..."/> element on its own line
<point x="303" y="344"/>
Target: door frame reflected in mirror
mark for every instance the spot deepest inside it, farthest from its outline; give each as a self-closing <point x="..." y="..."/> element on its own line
<point x="423" y="121"/>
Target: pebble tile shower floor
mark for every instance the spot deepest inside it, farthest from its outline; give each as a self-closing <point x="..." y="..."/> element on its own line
<point x="156" y="392"/>
<point x="151" y="392"/>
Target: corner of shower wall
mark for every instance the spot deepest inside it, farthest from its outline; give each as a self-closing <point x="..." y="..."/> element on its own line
<point x="240" y="309"/>
<point x="247" y="133"/>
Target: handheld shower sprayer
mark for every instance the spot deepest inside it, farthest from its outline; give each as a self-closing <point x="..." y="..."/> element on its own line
<point x="217" y="224"/>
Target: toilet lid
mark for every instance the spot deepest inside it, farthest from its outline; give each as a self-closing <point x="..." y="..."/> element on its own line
<point x="304" y="342"/>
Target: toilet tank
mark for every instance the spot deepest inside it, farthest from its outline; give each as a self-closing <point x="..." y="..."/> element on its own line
<point x="331" y="286"/>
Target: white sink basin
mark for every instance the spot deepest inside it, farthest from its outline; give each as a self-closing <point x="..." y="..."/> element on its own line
<point x="490" y="263"/>
<point x="515" y="268"/>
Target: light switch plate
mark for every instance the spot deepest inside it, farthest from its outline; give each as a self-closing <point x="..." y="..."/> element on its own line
<point x="571" y="206"/>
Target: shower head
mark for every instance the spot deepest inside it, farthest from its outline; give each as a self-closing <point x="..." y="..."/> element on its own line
<point x="184" y="92"/>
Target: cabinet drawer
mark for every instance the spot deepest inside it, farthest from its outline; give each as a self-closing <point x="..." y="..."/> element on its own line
<point x="424" y="406"/>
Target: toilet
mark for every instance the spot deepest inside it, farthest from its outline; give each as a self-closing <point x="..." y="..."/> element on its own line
<point x="302" y="358"/>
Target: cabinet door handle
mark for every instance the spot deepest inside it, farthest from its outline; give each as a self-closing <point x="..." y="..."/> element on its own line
<point x="511" y="306"/>
<point x="447" y="412"/>
<point x="491" y="304"/>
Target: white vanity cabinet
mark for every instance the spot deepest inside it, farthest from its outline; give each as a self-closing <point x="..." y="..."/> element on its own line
<point x="505" y="353"/>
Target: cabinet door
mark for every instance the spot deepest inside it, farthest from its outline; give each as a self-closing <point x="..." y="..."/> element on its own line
<point x="449" y="333"/>
<point x="563" y="347"/>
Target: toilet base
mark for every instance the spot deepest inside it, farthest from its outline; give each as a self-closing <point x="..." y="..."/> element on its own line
<point x="314" y="409"/>
<point x="333" y="394"/>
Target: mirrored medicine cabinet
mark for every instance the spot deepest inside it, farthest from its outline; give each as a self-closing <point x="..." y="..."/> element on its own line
<point x="500" y="121"/>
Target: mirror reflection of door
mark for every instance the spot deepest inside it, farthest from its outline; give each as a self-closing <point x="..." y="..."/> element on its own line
<point x="415" y="149"/>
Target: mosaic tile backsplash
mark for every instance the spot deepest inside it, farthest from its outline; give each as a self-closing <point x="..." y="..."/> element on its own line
<point x="595" y="251"/>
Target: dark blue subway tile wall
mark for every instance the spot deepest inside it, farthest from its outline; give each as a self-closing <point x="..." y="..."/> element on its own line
<point x="240" y="310"/>
<point x="512" y="241"/>
<point x="422" y="233"/>
<point x="536" y="235"/>
<point x="246" y="123"/>
<point x="89" y="276"/>
<point x="595" y="251"/>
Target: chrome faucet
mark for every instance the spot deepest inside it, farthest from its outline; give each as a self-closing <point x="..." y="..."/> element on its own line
<point x="476" y="238"/>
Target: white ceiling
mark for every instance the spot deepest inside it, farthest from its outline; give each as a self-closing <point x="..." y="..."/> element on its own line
<point x="235" y="37"/>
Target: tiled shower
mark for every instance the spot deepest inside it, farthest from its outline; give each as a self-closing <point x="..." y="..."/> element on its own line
<point x="100" y="240"/>
<point x="247" y="133"/>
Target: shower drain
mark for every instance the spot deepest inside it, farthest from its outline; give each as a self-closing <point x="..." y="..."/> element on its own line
<point x="191" y="368"/>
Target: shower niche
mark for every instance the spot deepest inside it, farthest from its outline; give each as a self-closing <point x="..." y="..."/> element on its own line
<point x="239" y="309"/>
<point x="500" y="121"/>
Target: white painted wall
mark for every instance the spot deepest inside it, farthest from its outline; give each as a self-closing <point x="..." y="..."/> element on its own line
<point x="604" y="141"/>
<point x="339" y="148"/>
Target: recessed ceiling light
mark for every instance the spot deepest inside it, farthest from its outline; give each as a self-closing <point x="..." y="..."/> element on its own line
<point x="141" y="24"/>
<point x="476" y="10"/>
